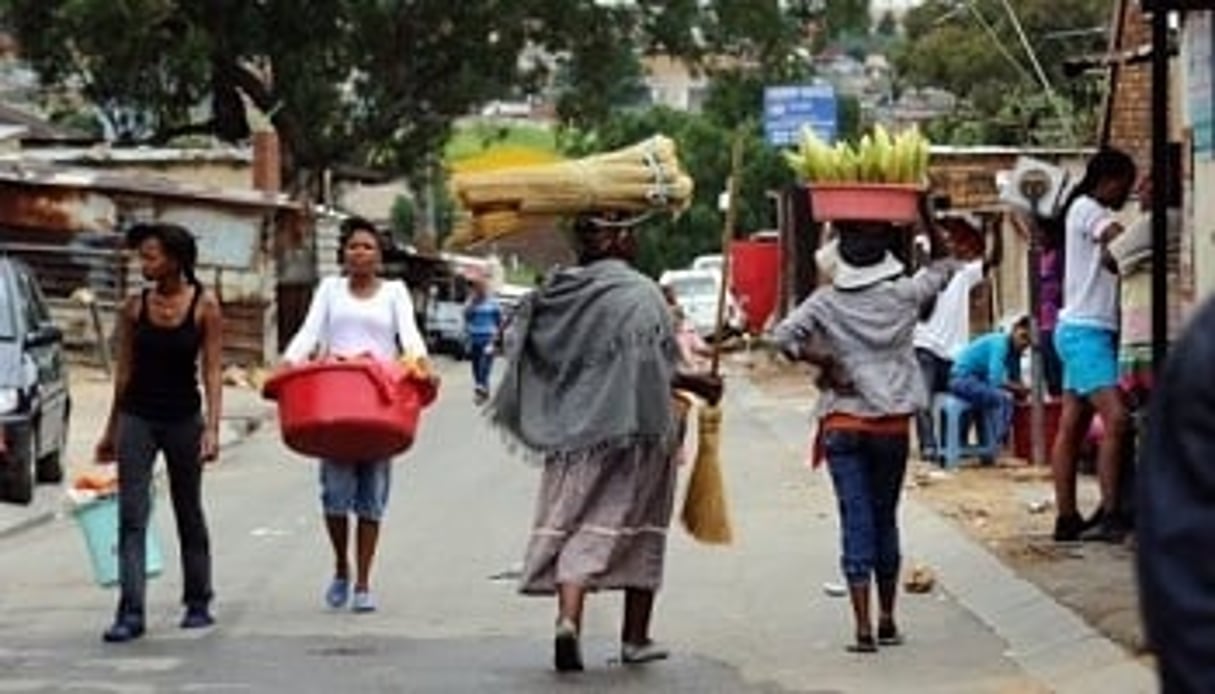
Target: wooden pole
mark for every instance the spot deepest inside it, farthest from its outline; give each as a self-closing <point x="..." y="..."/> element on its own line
<point x="727" y="235"/>
<point x="1161" y="183"/>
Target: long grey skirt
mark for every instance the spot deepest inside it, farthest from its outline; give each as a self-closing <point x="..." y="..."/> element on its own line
<point x="601" y="521"/>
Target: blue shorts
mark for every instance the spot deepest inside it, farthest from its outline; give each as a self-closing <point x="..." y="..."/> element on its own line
<point x="1090" y="358"/>
<point x="358" y="488"/>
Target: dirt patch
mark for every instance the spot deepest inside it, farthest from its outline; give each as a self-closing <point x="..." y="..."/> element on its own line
<point x="1009" y="509"/>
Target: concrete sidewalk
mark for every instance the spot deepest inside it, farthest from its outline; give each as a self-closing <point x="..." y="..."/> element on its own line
<point x="92" y="392"/>
<point x="1048" y="641"/>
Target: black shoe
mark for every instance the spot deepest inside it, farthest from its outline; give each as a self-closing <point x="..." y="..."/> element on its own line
<point x="567" y="656"/>
<point x="888" y="634"/>
<point x="1112" y="530"/>
<point x="122" y="631"/>
<point x="1068" y="528"/>
<point x="1094" y="520"/>
<point x="197" y="618"/>
<point x="865" y="643"/>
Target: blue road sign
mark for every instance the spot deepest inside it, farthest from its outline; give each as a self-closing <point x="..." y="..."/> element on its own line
<point x="788" y="108"/>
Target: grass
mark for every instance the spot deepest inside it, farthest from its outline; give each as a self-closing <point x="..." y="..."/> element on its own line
<point x="480" y="137"/>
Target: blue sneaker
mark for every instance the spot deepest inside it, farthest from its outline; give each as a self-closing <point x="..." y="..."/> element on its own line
<point x="123" y="631"/>
<point x="197" y="618"/>
<point x="338" y="594"/>
<point x="363" y="602"/>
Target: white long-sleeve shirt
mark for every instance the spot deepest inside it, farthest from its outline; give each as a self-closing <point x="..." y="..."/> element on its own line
<point x="344" y="325"/>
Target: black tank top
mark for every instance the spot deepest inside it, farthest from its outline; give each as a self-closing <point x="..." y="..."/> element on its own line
<point x="164" y="367"/>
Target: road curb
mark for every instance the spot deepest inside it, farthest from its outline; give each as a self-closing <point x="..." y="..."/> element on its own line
<point x="235" y="430"/>
<point x="39" y="518"/>
<point x="1048" y="641"/>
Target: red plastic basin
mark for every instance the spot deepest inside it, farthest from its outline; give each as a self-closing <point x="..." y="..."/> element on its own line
<point x="865" y="202"/>
<point x="349" y="411"/>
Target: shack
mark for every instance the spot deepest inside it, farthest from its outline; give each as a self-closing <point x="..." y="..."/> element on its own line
<point x="67" y="224"/>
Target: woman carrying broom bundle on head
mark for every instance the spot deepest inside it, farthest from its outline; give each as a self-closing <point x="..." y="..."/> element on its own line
<point x="859" y="332"/>
<point x="591" y="365"/>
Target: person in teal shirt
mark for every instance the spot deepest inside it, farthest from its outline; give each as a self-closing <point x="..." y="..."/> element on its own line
<point x="987" y="375"/>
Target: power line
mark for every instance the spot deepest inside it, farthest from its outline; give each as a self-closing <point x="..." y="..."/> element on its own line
<point x="1064" y="118"/>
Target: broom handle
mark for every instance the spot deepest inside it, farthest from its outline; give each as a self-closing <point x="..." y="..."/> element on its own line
<point x="727" y="234"/>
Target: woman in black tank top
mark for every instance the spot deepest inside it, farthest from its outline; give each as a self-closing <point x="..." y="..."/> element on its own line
<point x="165" y="332"/>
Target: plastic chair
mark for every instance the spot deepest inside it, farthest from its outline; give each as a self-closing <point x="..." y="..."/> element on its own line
<point x="953" y="417"/>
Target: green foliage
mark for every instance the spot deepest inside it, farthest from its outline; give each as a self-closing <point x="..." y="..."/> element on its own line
<point x="888" y="25"/>
<point x="848" y="115"/>
<point x="947" y="46"/>
<point x="403" y="218"/>
<point x="475" y="139"/>
<point x="846" y="16"/>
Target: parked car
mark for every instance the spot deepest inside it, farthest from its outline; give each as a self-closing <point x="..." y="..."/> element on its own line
<point x="509" y="296"/>
<point x="34" y="401"/>
<point x="697" y="292"/>
<point x="445" y="316"/>
<point x="714" y="262"/>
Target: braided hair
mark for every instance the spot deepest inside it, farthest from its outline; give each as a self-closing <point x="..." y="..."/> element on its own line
<point x="177" y="242"/>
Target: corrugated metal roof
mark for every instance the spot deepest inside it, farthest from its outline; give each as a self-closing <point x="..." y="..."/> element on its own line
<point x="12" y="132"/>
<point x="45" y="175"/>
<point x="38" y="127"/>
<point x="105" y="154"/>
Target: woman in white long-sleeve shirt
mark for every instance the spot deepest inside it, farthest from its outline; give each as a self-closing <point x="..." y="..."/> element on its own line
<point x="356" y="314"/>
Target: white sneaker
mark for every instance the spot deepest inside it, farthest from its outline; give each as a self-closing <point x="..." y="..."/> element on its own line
<point x="641" y="653"/>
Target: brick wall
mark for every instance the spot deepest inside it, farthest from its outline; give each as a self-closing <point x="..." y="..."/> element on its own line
<point x="1131" y="119"/>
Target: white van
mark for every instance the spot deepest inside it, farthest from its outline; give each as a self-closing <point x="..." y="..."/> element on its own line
<point x="697" y="292"/>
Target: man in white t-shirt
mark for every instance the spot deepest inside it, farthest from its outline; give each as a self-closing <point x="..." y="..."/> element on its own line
<point x="946" y="330"/>
<point x="1087" y="341"/>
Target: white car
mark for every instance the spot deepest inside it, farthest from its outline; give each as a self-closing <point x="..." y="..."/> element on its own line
<point x="713" y="262"/>
<point x="697" y="292"/>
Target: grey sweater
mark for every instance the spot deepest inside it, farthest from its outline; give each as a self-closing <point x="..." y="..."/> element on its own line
<point x="869" y="332"/>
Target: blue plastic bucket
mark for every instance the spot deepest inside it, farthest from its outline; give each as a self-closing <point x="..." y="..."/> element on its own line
<point x="98" y="521"/>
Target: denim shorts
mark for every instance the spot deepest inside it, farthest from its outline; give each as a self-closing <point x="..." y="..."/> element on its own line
<point x="1090" y="358"/>
<point x="358" y="488"/>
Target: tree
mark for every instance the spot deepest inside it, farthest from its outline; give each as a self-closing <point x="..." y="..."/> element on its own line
<point x="888" y="25"/>
<point x="846" y="16"/>
<point x="363" y="82"/>
<point x="974" y="51"/>
<point x="403" y="218"/>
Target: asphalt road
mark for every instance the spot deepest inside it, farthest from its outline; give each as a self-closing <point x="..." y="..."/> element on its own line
<point x="750" y="618"/>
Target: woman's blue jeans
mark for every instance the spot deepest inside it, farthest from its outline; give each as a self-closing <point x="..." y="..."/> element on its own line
<point x="867" y="471"/>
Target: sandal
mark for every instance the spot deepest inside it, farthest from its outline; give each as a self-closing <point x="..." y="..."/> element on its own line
<point x="864" y="644"/>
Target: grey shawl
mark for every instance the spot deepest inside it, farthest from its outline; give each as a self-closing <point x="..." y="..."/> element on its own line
<point x="589" y="362"/>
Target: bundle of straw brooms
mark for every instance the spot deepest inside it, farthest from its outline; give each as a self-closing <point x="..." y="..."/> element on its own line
<point x="642" y="178"/>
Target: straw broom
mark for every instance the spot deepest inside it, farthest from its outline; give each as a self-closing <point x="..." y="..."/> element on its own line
<point x="705" y="515"/>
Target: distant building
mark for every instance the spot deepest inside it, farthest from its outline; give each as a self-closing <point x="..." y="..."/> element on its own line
<point x="879" y="8"/>
<point x="674" y="83"/>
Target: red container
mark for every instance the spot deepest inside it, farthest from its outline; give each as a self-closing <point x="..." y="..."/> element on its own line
<point x="349" y="411"/>
<point x="755" y="280"/>
<point x="1022" y="434"/>
<point x="865" y="202"/>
